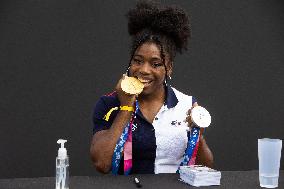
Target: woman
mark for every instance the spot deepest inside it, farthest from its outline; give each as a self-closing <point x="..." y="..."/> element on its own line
<point x="149" y="132"/>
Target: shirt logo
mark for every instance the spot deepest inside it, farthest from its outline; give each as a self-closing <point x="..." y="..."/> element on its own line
<point x="175" y="123"/>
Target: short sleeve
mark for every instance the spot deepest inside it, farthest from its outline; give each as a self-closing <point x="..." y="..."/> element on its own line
<point x="194" y="100"/>
<point x="99" y="112"/>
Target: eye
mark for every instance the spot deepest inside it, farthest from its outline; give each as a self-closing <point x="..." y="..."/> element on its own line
<point x="137" y="61"/>
<point x="156" y="64"/>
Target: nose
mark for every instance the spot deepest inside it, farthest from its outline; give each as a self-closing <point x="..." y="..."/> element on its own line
<point x="145" y="68"/>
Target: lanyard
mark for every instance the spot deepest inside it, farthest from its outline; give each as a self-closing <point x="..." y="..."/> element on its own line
<point x="126" y="136"/>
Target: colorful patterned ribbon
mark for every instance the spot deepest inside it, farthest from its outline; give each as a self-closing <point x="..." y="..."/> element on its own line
<point x="124" y="142"/>
<point x="192" y="147"/>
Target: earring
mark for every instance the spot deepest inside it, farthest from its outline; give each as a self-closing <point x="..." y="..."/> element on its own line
<point x="168" y="78"/>
<point x="127" y="71"/>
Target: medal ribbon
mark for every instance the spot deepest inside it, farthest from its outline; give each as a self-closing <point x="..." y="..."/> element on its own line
<point x="124" y="144"/>
<point x="192" y="147"/>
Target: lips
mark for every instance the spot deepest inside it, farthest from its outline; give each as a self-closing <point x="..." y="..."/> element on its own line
<point x="145" y="81"/>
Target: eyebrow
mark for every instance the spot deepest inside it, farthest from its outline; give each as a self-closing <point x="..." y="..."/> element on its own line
<point x="152" y="58"/>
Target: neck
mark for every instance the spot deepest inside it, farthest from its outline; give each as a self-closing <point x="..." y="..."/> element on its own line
<point x="159" y="95"/>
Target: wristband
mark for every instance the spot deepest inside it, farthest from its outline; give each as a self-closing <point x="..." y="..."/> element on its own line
<point x="127" y="108"/>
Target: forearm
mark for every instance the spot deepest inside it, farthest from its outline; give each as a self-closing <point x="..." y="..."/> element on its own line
<point x="103" y="142"/>
<point x="204" y="154"/>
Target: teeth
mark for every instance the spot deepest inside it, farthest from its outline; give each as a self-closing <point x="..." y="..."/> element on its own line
<point x="143" y="81"/>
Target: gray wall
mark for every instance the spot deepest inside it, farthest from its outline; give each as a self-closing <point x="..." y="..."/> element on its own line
<point x="58" y="57"/>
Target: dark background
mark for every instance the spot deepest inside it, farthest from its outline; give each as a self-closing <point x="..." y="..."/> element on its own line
<point x="58" y="57"/>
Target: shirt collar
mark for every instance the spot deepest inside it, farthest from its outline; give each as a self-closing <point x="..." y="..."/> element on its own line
<point x="171" y="99"/>
<point x="170" y="102"/>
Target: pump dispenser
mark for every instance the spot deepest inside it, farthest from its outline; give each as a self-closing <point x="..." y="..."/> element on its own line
<point x="62" y="167"/>
<point x="62" y="152"/>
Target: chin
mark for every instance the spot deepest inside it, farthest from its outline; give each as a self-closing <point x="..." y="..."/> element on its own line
<point x="146" y="92"/>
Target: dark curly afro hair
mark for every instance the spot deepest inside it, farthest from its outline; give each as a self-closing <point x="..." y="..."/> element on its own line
<point x="167" y="26"/>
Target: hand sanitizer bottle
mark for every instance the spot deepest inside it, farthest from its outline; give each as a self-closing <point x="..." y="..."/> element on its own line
<point x="62" y="167"/>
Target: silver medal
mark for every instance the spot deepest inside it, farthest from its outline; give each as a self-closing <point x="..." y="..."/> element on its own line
<point x="200" y="117"/>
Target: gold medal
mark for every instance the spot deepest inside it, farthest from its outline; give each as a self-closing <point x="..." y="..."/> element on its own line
<point x="131" y="85"/>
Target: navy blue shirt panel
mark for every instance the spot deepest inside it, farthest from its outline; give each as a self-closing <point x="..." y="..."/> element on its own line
<point x="143" y="145"/>
<point x="102" y="107"/>
<point x="194" y="100"/>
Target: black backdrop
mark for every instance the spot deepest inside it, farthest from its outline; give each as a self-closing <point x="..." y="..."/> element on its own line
<point x="58" y="57"/>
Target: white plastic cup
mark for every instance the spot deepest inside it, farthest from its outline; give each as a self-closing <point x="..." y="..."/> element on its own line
<point x="269" y="155"/>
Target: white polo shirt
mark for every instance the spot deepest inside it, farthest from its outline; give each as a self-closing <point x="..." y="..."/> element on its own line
<point x="171" y="134"/>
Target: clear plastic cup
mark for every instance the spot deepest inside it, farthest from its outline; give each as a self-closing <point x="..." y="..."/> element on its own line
<point x="269" y="154"/>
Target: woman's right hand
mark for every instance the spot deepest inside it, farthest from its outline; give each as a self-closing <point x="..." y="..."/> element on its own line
<point x="125" y="99"/>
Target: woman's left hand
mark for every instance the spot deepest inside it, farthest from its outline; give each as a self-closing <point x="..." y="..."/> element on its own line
<point x="189" y="119"/>
<point x="204" y="154"/>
